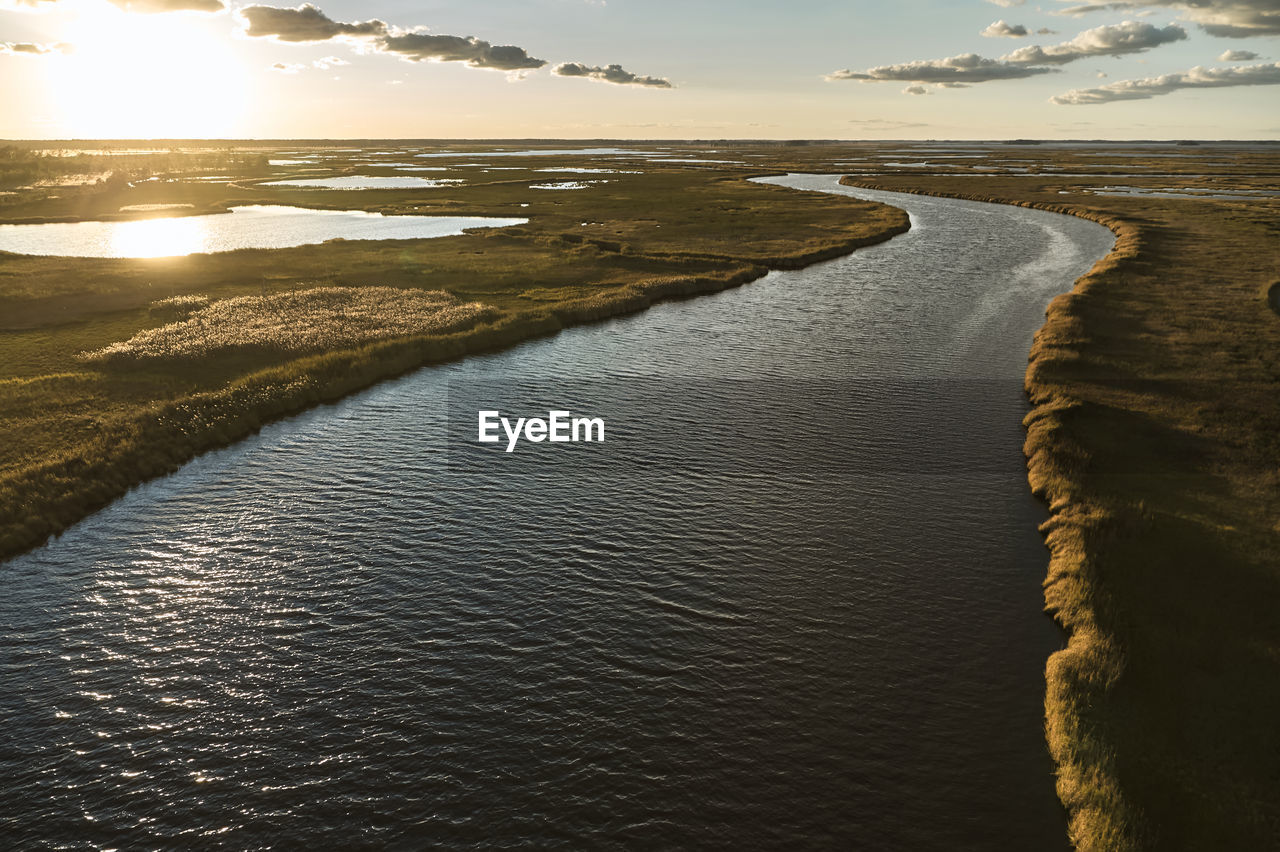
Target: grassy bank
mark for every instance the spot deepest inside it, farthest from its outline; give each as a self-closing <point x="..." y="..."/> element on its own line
<point x="1155" y="440"/>
<point x="102" y="387"/>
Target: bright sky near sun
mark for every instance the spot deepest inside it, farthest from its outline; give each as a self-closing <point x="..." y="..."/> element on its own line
<point x="955" y="69"/>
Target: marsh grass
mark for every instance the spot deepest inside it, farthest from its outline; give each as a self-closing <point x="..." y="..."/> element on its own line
<point x="1155" y="441"/>
<point x="295" y="322"/>
<point x="186" y="354"/>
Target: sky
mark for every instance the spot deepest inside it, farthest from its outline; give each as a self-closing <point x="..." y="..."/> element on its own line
<point x="640" y="69"/>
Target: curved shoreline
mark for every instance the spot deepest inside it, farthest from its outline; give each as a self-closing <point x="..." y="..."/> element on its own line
<point x="55" y="495"/>
<point x="1086" y="780"/>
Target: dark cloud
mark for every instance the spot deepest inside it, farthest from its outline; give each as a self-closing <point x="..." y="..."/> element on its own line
<point x="1003" y="29"/>
<point x="609" y="74"/>
<point x="303" y="24"/>
<point x="1266" y="74"/>
<point x="1111" y="40"/>
<point x="965" y="68"/>
<point x="477" y="53"/>
<point x="306" y="23"/>
<point x="1226" y="18"/>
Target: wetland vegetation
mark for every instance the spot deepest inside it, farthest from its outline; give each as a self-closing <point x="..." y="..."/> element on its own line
<point x="78" y="430"/>
<point x="1154" y="436"/>
<point x="1155" y="441"/>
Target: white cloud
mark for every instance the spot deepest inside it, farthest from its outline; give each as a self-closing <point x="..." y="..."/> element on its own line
<point x="27" y="48"/>
<point x="1110" y="40"/>
<point x="964" y="68"/>
<point x="1003" y="29"/>
<point x="956" y="71"/>
<point x="1265" y="74"/>
<point x="1226" y="18"/>
<point x="144" y="6"/>
<point x="1237" y="56"/>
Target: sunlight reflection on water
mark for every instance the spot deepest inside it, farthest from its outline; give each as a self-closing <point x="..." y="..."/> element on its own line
<point x="256" y="226"/>
<point x="158" y="237"/>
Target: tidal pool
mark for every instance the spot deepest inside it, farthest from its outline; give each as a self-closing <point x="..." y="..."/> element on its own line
<point x="256" y="226"/>
<point x="365" y="182"/>
<point x="561" y="152"/>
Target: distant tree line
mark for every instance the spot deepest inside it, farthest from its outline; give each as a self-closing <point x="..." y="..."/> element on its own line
<point x="22" y="165"/>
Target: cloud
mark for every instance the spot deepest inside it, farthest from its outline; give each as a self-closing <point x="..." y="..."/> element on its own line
<point x="916" y="90"/>
<point x="322" y="64"/>
<point x="1001" y="29"/>
<point x="1265" y="74"/>
<point x="144" y="6"/>
<point x="609" y="74"/>
<point x="1030" y="61"/>
<point x="303" y="24"/>
<point x="477" y="53"/>
<point x="886" y="124"/>
<point x="28" y="48"/>
<point x="1226" y="18"/>
<point x="1111" y="40"/>
<point x="154" y="6"/>
<point x="954" y="70"/>
<point x="1046" y="31"/>
<point x="307" y="23"/>
<point x="1008" y="4"/>
<point x="1237" y="56"/>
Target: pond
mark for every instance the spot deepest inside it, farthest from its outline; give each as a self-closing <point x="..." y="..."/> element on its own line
<point x="365" y="182"/>
<point x="255" y="226"/>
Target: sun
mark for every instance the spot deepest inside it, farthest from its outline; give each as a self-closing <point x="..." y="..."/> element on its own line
<point x="132" y="76"/>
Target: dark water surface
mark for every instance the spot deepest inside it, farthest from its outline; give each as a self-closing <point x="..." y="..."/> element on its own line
<point x="793" y="601"/>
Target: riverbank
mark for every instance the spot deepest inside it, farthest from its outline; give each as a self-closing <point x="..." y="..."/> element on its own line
<point x="79" y="435"/>
<point x="1153" y="439"/>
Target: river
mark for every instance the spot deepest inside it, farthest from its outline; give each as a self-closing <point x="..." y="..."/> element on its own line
<point x="792" y="601"/>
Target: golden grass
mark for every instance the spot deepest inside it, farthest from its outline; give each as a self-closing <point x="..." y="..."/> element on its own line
<point x="1155" y="440"/>
<point x="187" y="354"/>
<point x="295" y="322"/>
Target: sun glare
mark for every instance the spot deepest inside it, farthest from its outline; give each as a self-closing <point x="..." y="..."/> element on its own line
<point x="158" y="237"/>
<point x="150" y="76"/>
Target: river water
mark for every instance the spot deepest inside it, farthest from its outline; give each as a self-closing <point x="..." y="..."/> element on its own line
<point x="792" y="600"/>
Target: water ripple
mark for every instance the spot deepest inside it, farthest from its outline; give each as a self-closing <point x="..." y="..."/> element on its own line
<point x="792" y="600"/>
